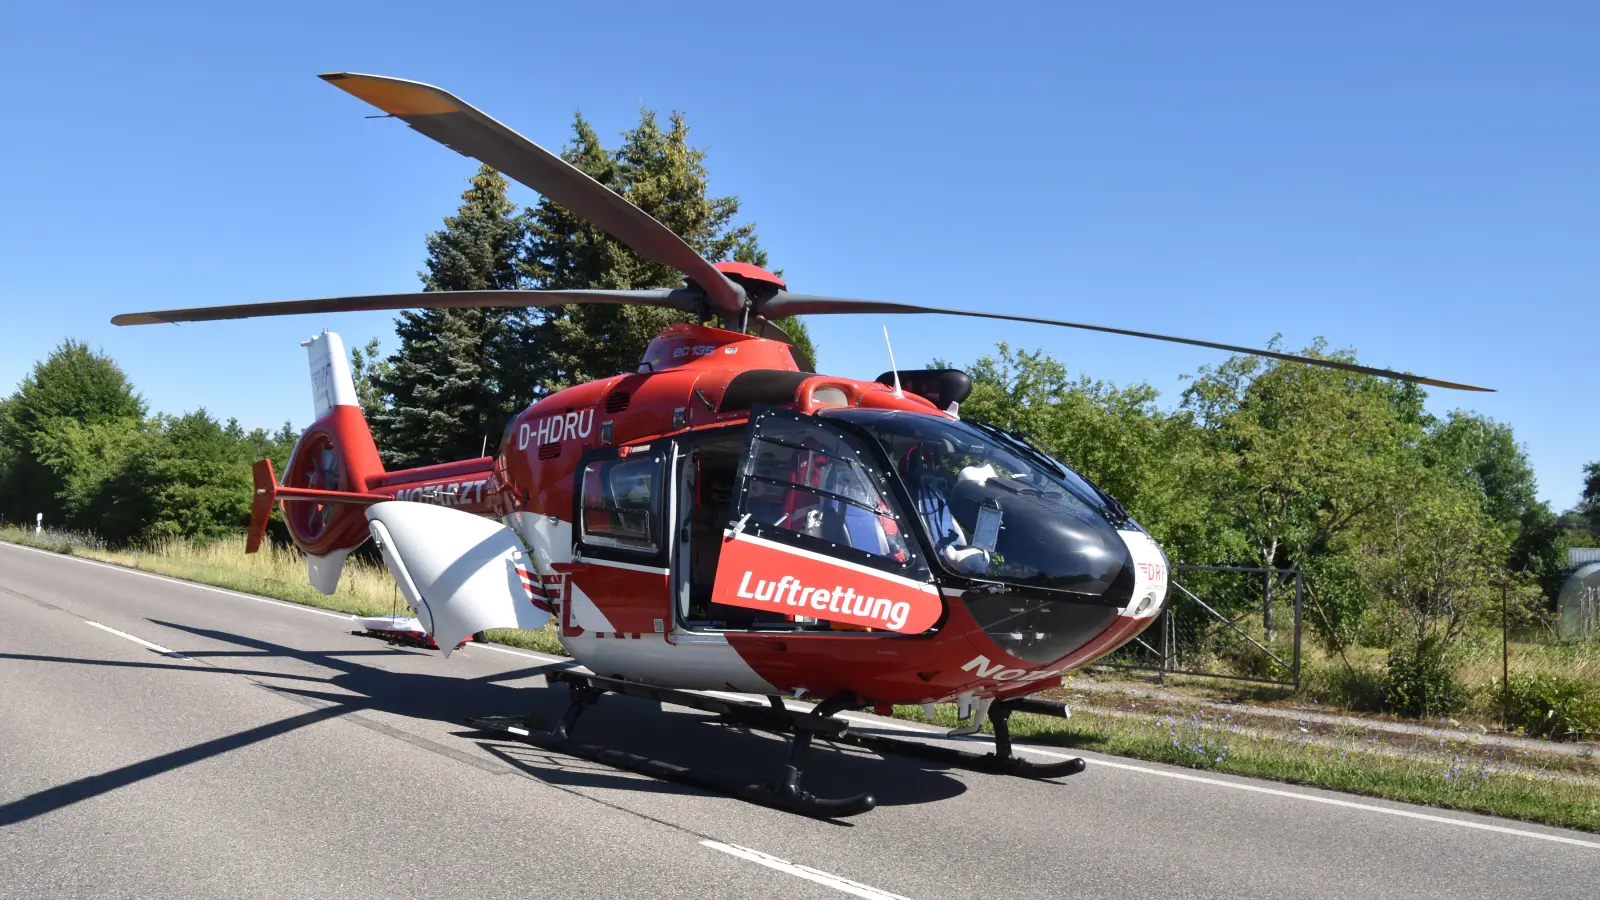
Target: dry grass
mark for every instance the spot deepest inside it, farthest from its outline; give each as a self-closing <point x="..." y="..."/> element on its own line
<point x="1578" y="661"/>
<point x="365" y="589"/>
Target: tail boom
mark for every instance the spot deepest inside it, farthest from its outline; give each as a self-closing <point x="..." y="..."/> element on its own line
<point x="335" y="472"/>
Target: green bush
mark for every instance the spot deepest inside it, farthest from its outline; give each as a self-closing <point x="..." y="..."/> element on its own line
<point x="1421" y="680"/>
<point x="1360" y="688"/>
<point x="1244" y="658"/>
<point x="1553" y="706"/>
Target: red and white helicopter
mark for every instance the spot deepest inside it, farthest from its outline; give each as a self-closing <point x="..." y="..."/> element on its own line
<point x="722" y="518"/>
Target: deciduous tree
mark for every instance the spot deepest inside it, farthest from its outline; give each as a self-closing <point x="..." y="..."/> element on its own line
<point x="72" y="384"/>
<point x="1117" y="437"/>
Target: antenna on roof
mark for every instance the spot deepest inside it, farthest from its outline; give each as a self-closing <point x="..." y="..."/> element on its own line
<point x="892" y="366"/>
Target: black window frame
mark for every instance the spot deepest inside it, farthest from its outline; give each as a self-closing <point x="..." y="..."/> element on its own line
<point x="872" y="461"/>
<point x="660" y="529"/>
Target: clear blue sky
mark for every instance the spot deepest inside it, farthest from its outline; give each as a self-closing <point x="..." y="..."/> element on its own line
<point x="1418" y="181"/>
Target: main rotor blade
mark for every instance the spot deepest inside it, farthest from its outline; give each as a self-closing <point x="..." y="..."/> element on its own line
<point x="456" y="124"/>
<point x="681" y="299"/>
<point x="787" y="304"/>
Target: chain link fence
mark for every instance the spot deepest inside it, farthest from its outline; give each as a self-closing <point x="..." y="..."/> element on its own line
<point x="1232" y="622"/>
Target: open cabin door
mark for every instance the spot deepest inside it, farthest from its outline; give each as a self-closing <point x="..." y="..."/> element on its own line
<point x="818" y="537"/>
<point x="616" y="584"/>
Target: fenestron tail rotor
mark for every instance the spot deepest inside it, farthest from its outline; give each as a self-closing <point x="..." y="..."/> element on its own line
<point x="740" y="294"/>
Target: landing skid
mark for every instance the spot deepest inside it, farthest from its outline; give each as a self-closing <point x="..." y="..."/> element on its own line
<point x="784" y="791"/>
<point x="1001" y="762"/>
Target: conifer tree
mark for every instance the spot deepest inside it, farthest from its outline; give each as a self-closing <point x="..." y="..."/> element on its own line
<point x="366" y="368"/>
<point x="663" y="175"/>
<point x="1590" y="504"/>
<point x="445" y="386"/>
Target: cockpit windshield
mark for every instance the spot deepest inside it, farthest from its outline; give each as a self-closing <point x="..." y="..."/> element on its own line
<point x="994" y="508"/>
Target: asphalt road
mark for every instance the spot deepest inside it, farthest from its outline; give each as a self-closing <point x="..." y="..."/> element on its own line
<point x="280" y="756"/>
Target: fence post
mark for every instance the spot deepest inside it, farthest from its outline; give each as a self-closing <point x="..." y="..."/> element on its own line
<point x="1266" y="605"/>
<point x="1166" y="645"/>
<point x="1299" y="594"/>
<point x="1505" y="660"/>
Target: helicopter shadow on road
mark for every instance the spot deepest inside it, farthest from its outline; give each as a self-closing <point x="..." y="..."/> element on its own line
<point x="701" y="742"/>
<point x="679" y="737"/>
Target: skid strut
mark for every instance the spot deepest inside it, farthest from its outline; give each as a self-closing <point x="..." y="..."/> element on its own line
<point x="785" y="792"/>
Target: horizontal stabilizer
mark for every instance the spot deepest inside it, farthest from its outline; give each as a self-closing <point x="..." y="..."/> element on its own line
<point x="459" y="573"/>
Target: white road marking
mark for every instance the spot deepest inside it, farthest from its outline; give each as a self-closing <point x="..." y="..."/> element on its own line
<point x="887" y="723"/>
<point x="854" y="888"/>
<point x="137" y="640"/>
<point x="1405" y="813"/>
<point x="541" y="657"/>
<point x="203" y="587"/>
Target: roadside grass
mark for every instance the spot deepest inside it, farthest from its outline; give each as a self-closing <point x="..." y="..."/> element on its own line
<point x="1451" y="778"/>
<point x="1448" y="777"/>
<point x="279" y="572"/>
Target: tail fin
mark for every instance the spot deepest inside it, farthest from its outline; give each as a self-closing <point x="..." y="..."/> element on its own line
<point x="331" y="384"/>
<point x="332" y="467"/>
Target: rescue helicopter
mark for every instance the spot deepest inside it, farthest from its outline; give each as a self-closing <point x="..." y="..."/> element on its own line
<point x="723" y="518"/>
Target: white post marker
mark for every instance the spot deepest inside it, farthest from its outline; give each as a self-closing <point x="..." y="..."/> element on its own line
<point x="38" y="524"/>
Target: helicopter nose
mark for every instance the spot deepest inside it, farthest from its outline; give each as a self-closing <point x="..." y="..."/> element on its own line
<point x="1150" y="576"/>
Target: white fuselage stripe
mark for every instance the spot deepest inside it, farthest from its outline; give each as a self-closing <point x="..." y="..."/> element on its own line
<point x="835" y="561"/>
<point x="614" y="564"/>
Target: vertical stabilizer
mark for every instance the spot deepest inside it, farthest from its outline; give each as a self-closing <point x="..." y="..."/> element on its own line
<point x="331" y="384"/>
<point x="335" y="455"/>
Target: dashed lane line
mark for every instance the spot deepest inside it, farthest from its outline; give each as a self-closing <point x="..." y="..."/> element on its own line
<point x="137" y="640"/>
<point x="854" y="888"/>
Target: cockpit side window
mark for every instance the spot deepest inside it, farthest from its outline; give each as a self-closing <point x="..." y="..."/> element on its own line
<point x="810" y="484"/>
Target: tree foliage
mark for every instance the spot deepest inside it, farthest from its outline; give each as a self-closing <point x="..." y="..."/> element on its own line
<point x="658" y="171"/>
<point x="368" y="370"/>
<point x="458" y="375"/>
<point x="1589" y="507"/>
<point x="1405" y="525"/>
<point x="1116" y="437"/>
<point x="76" y="428"/>
<point x="71" y="386"/>
<point x="444" y="393"/>
<point x="1310" y="451"/>
<point x="1484" y="452"/>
